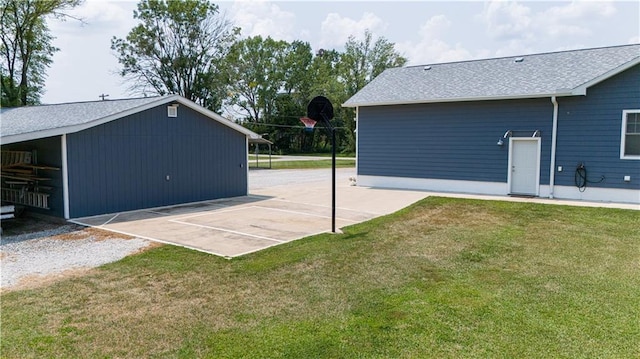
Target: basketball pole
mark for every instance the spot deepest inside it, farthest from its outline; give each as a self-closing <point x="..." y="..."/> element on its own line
<point x="333" y="180"/>
<point x="321" y="108"/>
<point x="333" y="172"/>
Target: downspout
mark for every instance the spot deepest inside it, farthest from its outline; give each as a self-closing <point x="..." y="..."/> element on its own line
<point x="554" y="135"/>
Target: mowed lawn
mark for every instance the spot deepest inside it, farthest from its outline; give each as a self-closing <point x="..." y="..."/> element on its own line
<point x="304" y="164"/>
<point x="444" y="278"/>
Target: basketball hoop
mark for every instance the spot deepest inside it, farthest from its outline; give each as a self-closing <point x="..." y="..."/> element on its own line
<point x="308" y="123"/>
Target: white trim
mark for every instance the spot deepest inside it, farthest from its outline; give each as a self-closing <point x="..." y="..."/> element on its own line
<point x="577" y="91"/>
<point x="560" y="92"/>
<point x="510" y="163"/>
<point x="194" y="106"/>
<point x="582" y="89"/>
<point x="83" y="126"/>
<point x="597" y="194"/>
<point x="554" y="140"/>
<point x="246" y="162"/>
<point x="623" y="135"/>
<point x="161" y="101"/>
<point x="437" y="185"/>
<point x="357" y="137"/>
<point x="65" y="176"/>
<point x="593" y="194"/>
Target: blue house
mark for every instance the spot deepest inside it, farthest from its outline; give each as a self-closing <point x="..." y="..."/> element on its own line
<point x="88" y="158"/>
<point x="559" y="125"/>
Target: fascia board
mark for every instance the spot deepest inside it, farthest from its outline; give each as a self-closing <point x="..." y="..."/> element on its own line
<point x="163" y="100"/>
<point x="194" y="106"/>
<point x="559" y="93"/>
<point x="83" y="126"/>
<point x="582" y="89"/>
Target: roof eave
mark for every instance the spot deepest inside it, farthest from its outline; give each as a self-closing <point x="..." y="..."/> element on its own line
<point x="562" y="92"/>
<point x="80" y="127"/>
<point x="194" y="106"/>
<point x="162" y="100"/>
<point x="582" y="89"/>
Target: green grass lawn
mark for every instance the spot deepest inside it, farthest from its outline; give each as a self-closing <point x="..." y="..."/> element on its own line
<point x="262" y="157"/>
<point x="444" y="278"/>
<point x="281" y="165"/>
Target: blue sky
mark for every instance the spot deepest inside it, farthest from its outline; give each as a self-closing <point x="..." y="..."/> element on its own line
<point x="423" y="31"/>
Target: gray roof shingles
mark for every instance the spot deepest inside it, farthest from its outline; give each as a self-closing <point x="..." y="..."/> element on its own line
<point x="21" y="120"/>
<point x="537" y="75"/>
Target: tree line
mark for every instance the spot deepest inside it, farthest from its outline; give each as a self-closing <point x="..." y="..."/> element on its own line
<point x="188" y="47"/>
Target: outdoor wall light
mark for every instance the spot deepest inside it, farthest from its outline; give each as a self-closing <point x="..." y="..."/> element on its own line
<point x="504" y="137"/>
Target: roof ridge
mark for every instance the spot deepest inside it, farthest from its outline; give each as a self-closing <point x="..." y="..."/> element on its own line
<point x="98" y="101"/>
<point x="521" y="55"/>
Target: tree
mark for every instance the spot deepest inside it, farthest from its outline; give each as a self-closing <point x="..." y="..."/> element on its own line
<point x="26" y="47"/>
<point x="361" y="62"/>
<point x="256" y="72"/>
<point x="178" y="48"/>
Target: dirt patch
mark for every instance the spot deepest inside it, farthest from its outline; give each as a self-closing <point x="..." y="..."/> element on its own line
<point x="84" y="233"/>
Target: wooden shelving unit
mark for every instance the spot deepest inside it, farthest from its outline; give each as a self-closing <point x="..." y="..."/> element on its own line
<point x="24" y="181"/>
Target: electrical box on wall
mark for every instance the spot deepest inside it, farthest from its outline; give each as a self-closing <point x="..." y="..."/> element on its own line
<point x="627" y="178"/>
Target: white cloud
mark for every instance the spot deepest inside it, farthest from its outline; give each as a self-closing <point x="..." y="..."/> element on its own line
<point x="430" y="48"/>
<point x="114" y="17"/>
<point x="519" y="28"/>
<point x="435" y="26"/>
<point x="573" y="19"/>
<point x="335" y="29"/>
<point x="506" y="20"/>
<point x="265" y="19"/>
<point x="84" y="66"/>
<point x="578" y="10"/>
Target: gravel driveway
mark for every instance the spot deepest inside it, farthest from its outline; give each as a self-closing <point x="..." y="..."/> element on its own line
<point x="30" y="258"/>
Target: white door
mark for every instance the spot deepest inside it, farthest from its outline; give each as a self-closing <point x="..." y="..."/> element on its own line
<point x="524" y="166"/>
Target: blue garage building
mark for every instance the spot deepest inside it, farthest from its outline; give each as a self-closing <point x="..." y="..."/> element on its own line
<point x="559" y="125"/>
<point x="91" y="158"/>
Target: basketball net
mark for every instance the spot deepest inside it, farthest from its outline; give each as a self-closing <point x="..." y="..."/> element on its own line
<point x="308" y="123"/>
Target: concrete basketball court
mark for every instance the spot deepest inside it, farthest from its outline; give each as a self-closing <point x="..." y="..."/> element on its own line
<point x="267" y="217"/>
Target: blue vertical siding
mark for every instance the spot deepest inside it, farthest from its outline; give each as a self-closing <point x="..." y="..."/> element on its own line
<point x="49" y="153"/>
<point x="455" y="141"/>
<point x="123" y="165"/>
<point x="589" y="132"/>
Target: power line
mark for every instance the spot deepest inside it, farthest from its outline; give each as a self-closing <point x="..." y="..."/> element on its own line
<point x="277" y="125"/>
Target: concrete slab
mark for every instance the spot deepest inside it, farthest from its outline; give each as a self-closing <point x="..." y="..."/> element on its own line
<point x="268" y="217"/>
<point x="298" y="207"/>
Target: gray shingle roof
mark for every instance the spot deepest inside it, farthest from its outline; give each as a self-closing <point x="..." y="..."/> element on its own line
<point x="539" y="75"/>
<point x="27" y="119"/>
<point x="32" y="122"/>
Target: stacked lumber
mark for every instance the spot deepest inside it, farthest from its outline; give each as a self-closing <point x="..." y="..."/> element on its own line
<point x="21" y="180"/>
